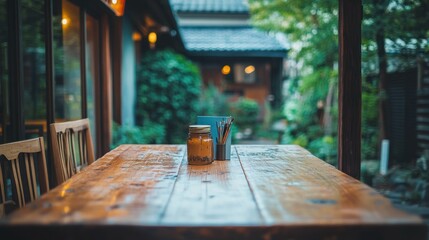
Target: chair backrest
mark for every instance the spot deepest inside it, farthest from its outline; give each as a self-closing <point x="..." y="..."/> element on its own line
<point x="69" y="159"/>
<point x="24" y="163"/>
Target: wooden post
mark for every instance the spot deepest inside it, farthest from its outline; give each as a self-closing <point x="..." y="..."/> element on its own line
<point x="350" y="92"/>
<point x="83" y="87"/>
<point x="15" y="71"/>
<point x="105" y="95"/>
<point x="50" y="83"/>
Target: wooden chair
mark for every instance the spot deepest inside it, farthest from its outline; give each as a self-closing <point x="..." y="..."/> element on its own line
<point x="24" y="163"/>
<point x="69" y="159"/>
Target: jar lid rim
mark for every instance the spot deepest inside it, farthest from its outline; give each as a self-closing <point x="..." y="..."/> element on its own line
<point x="199" y="128"/>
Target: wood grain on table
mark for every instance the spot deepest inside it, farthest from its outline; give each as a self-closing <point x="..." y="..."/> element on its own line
<point x="263" y="192"/>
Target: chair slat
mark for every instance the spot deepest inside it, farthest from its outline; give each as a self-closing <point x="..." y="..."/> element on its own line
<point x="33" y="177"/>
<point x="85" y="149"/>
<point x="16" y="181"/>
<point x="2" y="186"/>
<point x="29" y="179"/>
<point x="80" y="142"/>
<point x="67" y="154"/>
<point x="61" y="144"/>
<point x="18" y="168"/>
<point x="73" y="159"/>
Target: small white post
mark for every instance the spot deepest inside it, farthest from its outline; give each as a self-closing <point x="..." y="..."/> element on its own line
<point x="384" y="162"/>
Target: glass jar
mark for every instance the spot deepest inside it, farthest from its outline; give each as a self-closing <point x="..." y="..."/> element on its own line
<point x="200" y="145"/>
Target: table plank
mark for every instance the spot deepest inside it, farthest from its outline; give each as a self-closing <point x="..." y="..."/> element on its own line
<point x="291" y="186"/>
<point x="130" y="185"/>
<point x="211" y="195"/>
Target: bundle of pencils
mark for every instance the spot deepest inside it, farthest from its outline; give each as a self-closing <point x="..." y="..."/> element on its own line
<point x="223" y="129"/>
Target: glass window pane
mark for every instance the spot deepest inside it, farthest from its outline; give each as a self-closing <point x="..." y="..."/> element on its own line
<point x="68" y="66"/>
<point x="92" y="68"/>
<point x="33" y="45"/>
<point x="3" y="71"/>
<point x="244" y="73"/>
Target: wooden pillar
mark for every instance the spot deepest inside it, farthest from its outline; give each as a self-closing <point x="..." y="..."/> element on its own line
<point x="83" y="87"/>
<point x="15" y="66"/>
<point x="350" y="92"/>
<point x="116" y="69"/>
<point x="50" y="84"/>
<point x="105" y="121"/>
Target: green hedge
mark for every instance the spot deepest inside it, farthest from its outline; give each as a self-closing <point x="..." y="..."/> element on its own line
<point x="168" y="87"/>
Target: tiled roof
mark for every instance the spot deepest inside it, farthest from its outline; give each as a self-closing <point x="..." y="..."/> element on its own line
<point x="229" y="39"/>
<point x="215" y="6"/>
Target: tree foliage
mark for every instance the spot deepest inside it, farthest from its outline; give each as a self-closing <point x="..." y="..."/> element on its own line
<point x="403" y="26"/>
<point x="312" y="29"/>
<point x="405" y="20"/>
<point x="168" y="87"/>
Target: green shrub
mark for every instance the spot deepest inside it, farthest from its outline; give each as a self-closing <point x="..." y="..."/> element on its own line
<point x="213" y="102"/>
<point x="126" y="134"/>
<point x="301" y="140"/>
<point x="168" y="87"/>
<point x="370" y="130"/>
<point x="245" y="112"/>
<point x="325" y="148"/>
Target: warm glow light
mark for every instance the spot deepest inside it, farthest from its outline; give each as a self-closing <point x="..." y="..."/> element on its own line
<point x="64" y="190"/>
<point x="226" y="70"/>
<point x="64" y="21"/>
<point x="66" y="209"/>
<point x="152" y="37"/>
<point x="117" y="6"/>
<point x="137" y="36"/>
<point x="249" y="69"/>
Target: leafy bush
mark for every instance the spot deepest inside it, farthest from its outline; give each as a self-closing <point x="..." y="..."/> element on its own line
<point x="168" y="87"/>
<point x="370" y="131"/>
<point x="245" y="112"/>
<point x="213" y="102"/>
<point x="127" y="134"/>
<point x="325" y="148"/>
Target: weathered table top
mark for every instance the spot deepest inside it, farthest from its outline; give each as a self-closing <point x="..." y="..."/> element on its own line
<point x="263" y="192"/>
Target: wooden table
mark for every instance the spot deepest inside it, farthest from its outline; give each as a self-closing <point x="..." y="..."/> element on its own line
<point x="263" y="192"/>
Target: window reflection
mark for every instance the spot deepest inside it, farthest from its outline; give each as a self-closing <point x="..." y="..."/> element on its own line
<point x="3" y="71"/>
<point x="34" y="87"/>
<point x="68" y="71"/>
<point x="240" y="73"/>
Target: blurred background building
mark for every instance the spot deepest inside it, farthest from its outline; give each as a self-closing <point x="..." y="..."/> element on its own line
<point x="237" y="58"/>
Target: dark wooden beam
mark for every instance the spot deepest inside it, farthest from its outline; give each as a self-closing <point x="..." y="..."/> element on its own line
<point x="15" y="70"/>
<point x="350" y="92"/>
<point x="50" y="83"/>
<point x="84" y="103"/>
<point x="116" y="69"/>
<point x="105" y="87"/>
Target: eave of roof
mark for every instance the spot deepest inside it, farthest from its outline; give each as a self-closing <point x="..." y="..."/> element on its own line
<point x="238" y="41"/>
<point x="210" y="6"/>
